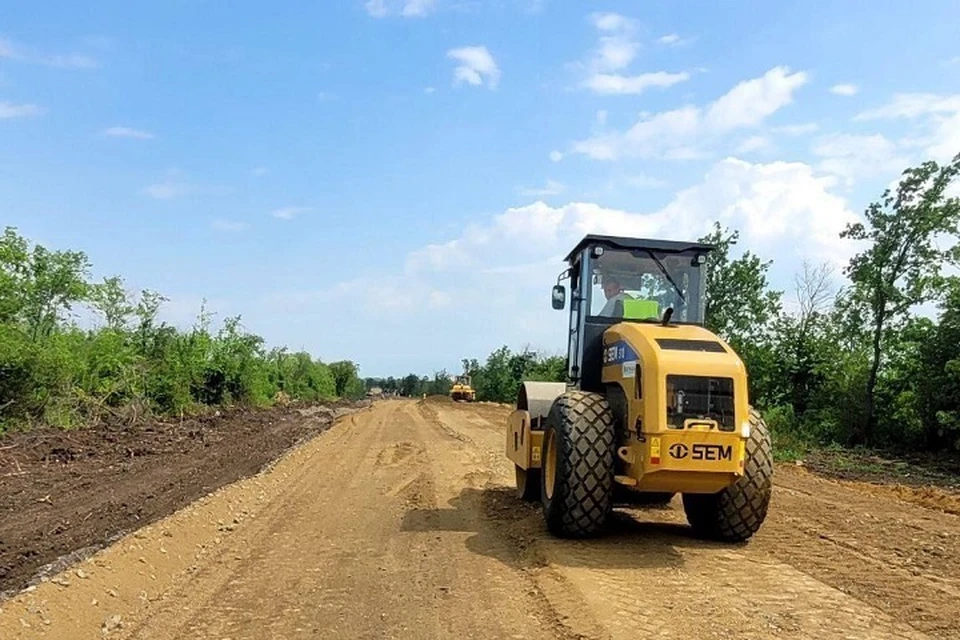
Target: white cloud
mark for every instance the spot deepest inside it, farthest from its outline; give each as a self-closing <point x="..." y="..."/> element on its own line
<point x="127" y="132"/>
<point x="289" y="213"/>
<point x="682" y="132"/>
<point x="912" y="105"/>
<point x="797" y="129"/>
<point x="612" y="22"/>
<point x="476" y="67"/>
<point x="652" y="136"/>
<point x="616" y="52"/>
<point x="858" y="156"/>
<point x="176" y="185"/>
<point x="11" y="51"/>
<point x="751" y="101"/>
<point x="377" y="8"/>
<point x="643" y="181"/>
<point x="617" y="47"/>
<point x="405" y="8"/>
<point x="417" y="7"/>
<point x="430" y="90"/>
<point x="616" y="84"/>
<point x="259" y="171"/>
<point x="556" y="156"/>
<point x="502" y="267"/>
<point x="936" y="121"/>
<point x="845" y="89"/>
<point x="167" y="190"/>
<point x="9" y="110"/>
<point x="221" y="224"/>
<point x="551" y="188"/>
<point x="437" y="299"/>
<point x="779" y="202"/>
<point x="673" y="40"/>
<point x="754" y="143"/>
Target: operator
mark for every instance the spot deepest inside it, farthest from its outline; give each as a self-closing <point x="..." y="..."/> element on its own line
<point x="613" y="291"/>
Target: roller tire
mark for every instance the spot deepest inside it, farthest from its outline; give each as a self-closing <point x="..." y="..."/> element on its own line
<point x="736" y="513"/>
<point x="581" y="428"/>
<point x="528" y="484"/>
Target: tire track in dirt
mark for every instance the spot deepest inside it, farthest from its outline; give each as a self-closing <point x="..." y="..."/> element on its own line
<point x="473" y="501"/>
<point x="899" y="557"/>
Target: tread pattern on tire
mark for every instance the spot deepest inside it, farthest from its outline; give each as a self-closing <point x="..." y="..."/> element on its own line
<point x="736" y="513"/>
<point x="583" y="491"/>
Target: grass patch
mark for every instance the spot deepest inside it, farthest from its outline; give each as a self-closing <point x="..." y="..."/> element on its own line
<point x="883" y="467"/>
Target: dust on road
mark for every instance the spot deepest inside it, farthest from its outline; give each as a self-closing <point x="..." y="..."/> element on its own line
<point x="399" y="522"/>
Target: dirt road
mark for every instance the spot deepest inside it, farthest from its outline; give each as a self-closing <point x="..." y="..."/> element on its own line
<point x="399" y="523"/>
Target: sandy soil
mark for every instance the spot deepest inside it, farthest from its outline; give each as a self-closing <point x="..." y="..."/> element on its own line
<point x="399" y="522"/>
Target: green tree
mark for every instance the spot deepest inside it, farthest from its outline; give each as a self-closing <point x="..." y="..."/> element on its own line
<point x="55" y="281"/>
<point x="440" y="385"/>
<point x="901" y="265"/>
<point x="800" y="342"/>
<point x="547" y="369"/>
<point x="346" y="381"/>
<point x="740" y="305"/>
<point x="112" y="301"/>
<point x="499" y="381"/>
<point x="14" y="273"/>
<point x="741" y="308"/>
<point x="938" y="392"/>
<point x="410" y="385"/>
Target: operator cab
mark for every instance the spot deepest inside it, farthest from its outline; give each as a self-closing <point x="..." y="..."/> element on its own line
<point x="614" y="280"/>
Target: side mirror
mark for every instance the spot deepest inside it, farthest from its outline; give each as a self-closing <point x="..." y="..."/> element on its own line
<point x="559" y="297"/>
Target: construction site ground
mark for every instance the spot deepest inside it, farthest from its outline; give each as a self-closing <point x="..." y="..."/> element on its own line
<point x="400" y="521"/>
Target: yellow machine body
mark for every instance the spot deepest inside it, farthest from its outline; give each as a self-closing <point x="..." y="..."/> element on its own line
<point x="524" y="444"/>
<point x="462" y="390"/>
<point x="654" y="453"/>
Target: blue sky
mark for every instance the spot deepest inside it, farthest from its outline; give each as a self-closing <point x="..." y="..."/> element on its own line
<point x="394" y="181"/>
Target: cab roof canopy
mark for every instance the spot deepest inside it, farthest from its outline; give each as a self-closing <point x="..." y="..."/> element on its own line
<point x="616" y="242"/>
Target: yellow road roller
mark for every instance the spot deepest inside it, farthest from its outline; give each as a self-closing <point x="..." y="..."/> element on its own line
<point x="654" y="403"/>
<point x="462" y="391"/>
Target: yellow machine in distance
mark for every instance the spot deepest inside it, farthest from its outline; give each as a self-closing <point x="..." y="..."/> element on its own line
<point x="462" y="391"/>
<point x="655" y="404"/>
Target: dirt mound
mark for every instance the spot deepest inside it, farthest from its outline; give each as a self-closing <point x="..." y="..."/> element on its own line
<point x="927" y="497"/>
<point x="63" y="491"/>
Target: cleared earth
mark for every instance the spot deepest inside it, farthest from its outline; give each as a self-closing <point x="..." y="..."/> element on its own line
<point x="400" y="522"/>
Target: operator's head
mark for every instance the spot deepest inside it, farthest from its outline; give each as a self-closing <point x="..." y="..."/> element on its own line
<point x="611" y="286"/>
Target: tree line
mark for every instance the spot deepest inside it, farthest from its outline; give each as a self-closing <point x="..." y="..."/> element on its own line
<point x="495" y="380"/>
<point x="129" y="364"/>
<point x="867" y="356"/>
<point x="864" y="355"/>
